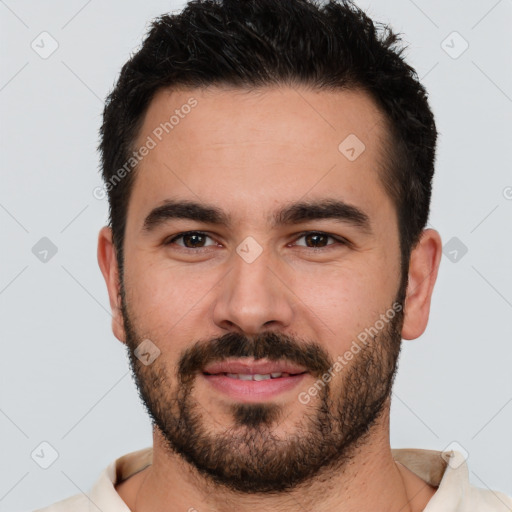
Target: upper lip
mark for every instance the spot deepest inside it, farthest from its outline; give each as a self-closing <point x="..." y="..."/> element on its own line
<point x="250" y="366"/>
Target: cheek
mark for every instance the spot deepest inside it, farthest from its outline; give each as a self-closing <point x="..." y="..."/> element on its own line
<point x="166" y="307"/>
<point x="342" y="301"/>
<point x="165" y="295"/>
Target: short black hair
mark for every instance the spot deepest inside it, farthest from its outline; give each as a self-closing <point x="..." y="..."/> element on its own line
<point x="250" y="44"/>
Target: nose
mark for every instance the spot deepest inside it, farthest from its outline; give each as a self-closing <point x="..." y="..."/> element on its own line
<point x="253" y="296"/>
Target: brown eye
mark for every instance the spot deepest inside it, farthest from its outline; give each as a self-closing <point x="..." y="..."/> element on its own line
<point x="191" y="240"/>
<point x="318" y="240"/>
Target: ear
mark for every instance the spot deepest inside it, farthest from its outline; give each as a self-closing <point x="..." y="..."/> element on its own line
<point x="107" y="261"/>
<point x="423" y="267"/>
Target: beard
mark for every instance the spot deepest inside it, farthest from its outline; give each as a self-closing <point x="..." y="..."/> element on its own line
<point x="248" y="456"/>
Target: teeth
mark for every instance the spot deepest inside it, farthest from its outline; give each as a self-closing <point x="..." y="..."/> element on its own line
<point x="257" y="376"/>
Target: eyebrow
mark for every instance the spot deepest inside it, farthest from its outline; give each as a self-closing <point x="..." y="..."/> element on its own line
<point x="295" y="213"/>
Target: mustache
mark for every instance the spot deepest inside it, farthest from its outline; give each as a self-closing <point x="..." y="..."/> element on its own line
<point x="267" y="345"/>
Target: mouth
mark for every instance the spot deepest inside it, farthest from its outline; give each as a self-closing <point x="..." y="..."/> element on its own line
<point x="256" y="376"/>
<point x="250" y="381"/>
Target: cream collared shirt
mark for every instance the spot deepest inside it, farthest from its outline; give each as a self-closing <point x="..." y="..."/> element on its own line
<point x="447" y="471"/>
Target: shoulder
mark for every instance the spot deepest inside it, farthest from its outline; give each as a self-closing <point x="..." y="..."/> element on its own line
<point x="448" y="472"/>
<point x="489" y="500"/>
<point x="76" y="503"/>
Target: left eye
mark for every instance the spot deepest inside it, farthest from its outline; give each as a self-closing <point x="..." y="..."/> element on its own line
<point x="317" y="240"/>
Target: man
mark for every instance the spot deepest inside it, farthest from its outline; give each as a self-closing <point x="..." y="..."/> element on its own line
<point x="269" y="169"/>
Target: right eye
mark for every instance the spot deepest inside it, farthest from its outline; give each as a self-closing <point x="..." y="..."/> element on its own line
<point x="191" y="240"/>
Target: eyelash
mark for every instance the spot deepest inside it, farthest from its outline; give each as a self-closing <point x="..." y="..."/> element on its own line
<point x="340" y="240"/>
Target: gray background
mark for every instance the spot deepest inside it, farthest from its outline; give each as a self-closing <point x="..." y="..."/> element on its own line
<point x="64" y="377"/>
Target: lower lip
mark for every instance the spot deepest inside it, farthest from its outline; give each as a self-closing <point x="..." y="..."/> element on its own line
<point x="253" y="390"/>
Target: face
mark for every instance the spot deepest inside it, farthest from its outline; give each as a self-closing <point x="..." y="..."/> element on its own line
<point x="260" y="246"/>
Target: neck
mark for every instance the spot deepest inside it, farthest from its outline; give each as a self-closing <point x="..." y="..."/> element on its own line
<point x="371" y="480"/>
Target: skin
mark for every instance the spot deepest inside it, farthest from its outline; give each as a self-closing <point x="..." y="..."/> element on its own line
<point x="250" y="153"/>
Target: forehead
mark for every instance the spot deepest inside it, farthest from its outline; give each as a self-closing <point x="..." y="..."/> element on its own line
<point x="249" y="151"/>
